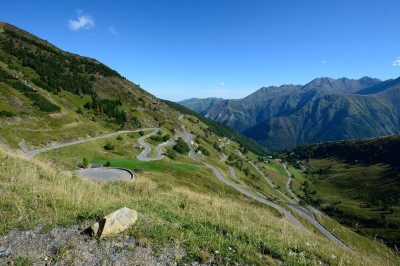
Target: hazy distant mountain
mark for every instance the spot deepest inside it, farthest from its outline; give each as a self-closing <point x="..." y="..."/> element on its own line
<point x="199" y="105"/>
<point x="324" y="109"/>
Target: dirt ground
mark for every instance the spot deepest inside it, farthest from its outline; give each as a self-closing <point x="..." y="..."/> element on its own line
<point x="68" y="246"/>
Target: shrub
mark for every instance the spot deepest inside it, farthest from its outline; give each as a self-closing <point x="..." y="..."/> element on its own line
<point x="138" y="170"/>
<point x="85" y="163"/>
<point x="181" y="146"/>
<point x="171" y="153"/>
<point x="166" y="137"/>
<point x="109" y="146"/>
<point x="6" y="114"/>
<point x="204" y="150"/>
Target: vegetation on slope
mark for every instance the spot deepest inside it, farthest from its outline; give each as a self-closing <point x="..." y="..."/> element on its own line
<point x="368" y="151"/>
<point x="225" y="228"/>
<point x="323" y="110"/>
<point x="221" y="130"/>
<point x="357" y="182"/>
<point x="59" y="96"/>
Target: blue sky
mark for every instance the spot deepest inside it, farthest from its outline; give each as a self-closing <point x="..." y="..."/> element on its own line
<point x="221" y="48"/>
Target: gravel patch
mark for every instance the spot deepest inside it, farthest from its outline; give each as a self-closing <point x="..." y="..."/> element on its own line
<point x="67" y="246"/>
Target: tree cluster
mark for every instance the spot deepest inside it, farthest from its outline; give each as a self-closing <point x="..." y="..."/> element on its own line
<point x="109" y="108"/>
<point x="57" y="70"/>
<point x="38" y="100"/>
<point x="378" y="150"/>
<point x="221" y="130"/>
<point x="181" y="146"/>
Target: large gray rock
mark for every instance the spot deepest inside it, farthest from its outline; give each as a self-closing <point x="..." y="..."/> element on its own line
<point x="113" y="223"/>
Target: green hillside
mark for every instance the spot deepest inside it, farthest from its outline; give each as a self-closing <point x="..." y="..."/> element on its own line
<point x="55" y="96"/>
<point x="357" y="182"/>
<point x="203" y="199"/>
<point x="325" y="109"/>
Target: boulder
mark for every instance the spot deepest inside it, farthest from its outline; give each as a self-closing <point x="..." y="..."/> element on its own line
<point x="113" y="223"/>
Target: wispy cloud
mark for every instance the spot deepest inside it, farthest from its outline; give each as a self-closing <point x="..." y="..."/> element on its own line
<point x="113" y="31"/>
<point x="324" y="61"/>
<point x="221" y="84"/>
<point x="83" y="21"/>
<point x="396" y="62"/>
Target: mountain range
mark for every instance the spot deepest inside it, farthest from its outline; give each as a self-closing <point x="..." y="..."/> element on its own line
<point x="324" y="109"/>
<point x="204" y="193"/>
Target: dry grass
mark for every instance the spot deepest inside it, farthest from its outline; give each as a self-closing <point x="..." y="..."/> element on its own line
<point x="207" y="225"/>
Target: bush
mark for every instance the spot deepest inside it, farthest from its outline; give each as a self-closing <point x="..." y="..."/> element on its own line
<point x="6" y="114"/>
<point x="138" y="170"/>
<point x="181" y="146"/>
<point x="120" y="137"/>
<point x="166" y="137"/>
<point x="109" y="146"/>
<point x="85" y="163"/>
<point x="108" y="164"/>
<point x="172" y="154"/>
<point x="204" y="150"/>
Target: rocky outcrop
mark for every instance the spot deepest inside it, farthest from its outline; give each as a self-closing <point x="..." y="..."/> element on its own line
<point x="113" y="223"/>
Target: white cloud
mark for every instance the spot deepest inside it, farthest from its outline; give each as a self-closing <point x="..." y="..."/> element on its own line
<point x="113" y="31"/>
<point x="221" y="84"/>
<point x="83" y="21"/>
<point x="324" y="61"/>
<point x="396" y="62"/>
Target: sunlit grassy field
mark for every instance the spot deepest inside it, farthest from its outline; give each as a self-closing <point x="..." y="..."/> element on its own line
<point x="184" y="210"/>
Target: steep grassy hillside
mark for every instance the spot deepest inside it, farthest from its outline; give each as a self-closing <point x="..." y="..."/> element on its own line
<point x="199" y="105"/>
<point x="50" y="96"/>
<point x="221" y="130"/>
<point x="177" y="210"/>
<point x="357" y="182"/>
<point x="57" y="96"/>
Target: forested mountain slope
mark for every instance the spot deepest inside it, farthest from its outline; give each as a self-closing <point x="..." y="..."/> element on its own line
<point x="322" y="110"/>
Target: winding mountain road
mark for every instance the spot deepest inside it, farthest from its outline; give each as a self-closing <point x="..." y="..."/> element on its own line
<point x="219" y="175"/>
<point x="288" y="183"/>
<point x="305" y="212"/>
<point x="144" y="156"/>
<point x="62" y="145"/>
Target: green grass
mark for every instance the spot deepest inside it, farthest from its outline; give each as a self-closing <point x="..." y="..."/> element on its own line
<point x="349" y="189"/>
<point x="277" y="178"/>
<point x="297" y="180"/>
<point x="174" y="211"/>
<point x="158" y="166"/>
<point x="275" y="166"/>
<point x="70" y="156"/>
<point x="353" y="239"/>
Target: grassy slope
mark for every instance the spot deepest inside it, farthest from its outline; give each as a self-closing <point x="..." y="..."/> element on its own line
<point x="358" y="181"/>
<point x="192" y="214"/>
<point x="42" y="128"/>
<point x="182" y="201"/>
<point x="347" y="185"/>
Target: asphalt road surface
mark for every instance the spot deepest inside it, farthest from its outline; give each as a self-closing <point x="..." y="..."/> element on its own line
<point x="62" y="145"/>
<point x="105" y="174"/>
<point x="219" y="175"/>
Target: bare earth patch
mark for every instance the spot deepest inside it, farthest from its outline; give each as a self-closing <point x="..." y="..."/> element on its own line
<point x="67" y="246"/>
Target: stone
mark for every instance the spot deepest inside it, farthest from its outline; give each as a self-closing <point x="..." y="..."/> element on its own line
<point x="3" y="250"/>
<point x="113" y="223"/>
